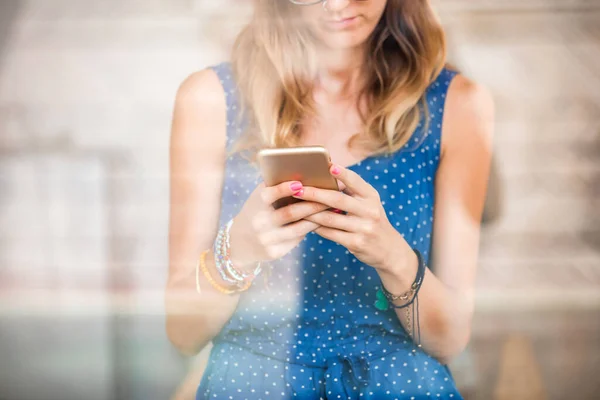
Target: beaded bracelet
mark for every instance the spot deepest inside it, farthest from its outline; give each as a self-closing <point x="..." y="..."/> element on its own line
<point x="385" y="299"/>
<point x="223" y="263"/>
<point x="221" y="252"/>
<point x="202" y="267"/>
<point x="230" y="268"/>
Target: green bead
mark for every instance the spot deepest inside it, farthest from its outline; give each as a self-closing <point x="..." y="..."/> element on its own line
<point x="382" y="305"/>
<point x="382" y="302"/>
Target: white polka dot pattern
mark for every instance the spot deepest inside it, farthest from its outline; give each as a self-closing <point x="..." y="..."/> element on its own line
<point x="313" y="332"/>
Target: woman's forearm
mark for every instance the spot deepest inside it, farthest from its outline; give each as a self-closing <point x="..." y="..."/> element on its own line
<point x="444" y="315"/>
<point x="194" y="319"/>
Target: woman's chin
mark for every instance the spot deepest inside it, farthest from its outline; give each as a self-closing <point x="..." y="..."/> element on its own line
<point x="344" y="41"/>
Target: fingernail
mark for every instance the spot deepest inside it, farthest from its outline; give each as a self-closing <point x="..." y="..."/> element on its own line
<point x="299" y="193"/>
<point x="296" y="186"/>
<point x="336" y="170"/>
<point x="335" y="210"/>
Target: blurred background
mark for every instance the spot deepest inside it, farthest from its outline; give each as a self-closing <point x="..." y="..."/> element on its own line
<point x="86" y="96"/>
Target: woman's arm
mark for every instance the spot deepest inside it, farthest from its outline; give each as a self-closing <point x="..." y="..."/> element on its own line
<point x="446" y="298"/>
<point x="197" y="155"/>
<point x="446" y="295"/>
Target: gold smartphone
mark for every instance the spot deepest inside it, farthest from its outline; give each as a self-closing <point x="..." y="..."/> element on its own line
<point x="309" y="165"/>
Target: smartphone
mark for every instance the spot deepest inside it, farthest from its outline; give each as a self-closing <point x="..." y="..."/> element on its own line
<point x="309" y="165"/>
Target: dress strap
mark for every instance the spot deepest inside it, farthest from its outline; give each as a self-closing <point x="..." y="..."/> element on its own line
<point x="234" y="120"/>
<point x="436" y="103"/>
<point x="428" y="134"/>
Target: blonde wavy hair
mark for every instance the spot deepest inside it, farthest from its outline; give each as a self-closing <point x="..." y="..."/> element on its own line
<point x="274" y="64"/>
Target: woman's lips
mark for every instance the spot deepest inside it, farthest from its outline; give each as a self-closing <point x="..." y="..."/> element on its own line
<point x="343" y="23"/>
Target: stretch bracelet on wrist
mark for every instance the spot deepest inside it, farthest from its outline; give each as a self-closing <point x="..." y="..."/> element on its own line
<point x="202" y="267"/>
<point x="225" y="266"/>
<point x="227" y="270"/>
<point x="385" y="300"/>
<point x="220" y="259"/>
<point x="230" y="267"/>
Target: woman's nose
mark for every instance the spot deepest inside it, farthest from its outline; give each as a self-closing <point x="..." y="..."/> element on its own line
<point x="336" y="5"/>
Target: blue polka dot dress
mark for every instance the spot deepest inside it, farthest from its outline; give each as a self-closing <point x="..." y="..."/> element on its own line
<point x="312" y="331"/>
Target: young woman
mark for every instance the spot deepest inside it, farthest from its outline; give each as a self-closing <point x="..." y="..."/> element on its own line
<point x="308" y="301"/>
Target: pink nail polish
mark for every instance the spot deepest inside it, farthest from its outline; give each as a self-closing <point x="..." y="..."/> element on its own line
<point x="336" y="170"/>
<point x="296" y="186"/>
<point x="299" y="193"/>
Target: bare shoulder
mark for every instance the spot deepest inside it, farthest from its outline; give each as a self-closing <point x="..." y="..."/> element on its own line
<point x="199" y="116"/>
<point x="469" y="112"/>
<point x="469" y="98"/>
<point x="201" y="89"/>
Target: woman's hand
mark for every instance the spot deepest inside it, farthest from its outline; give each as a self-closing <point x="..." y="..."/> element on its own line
<point x="261" y="233"/>
<point x="365" y="231"/>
